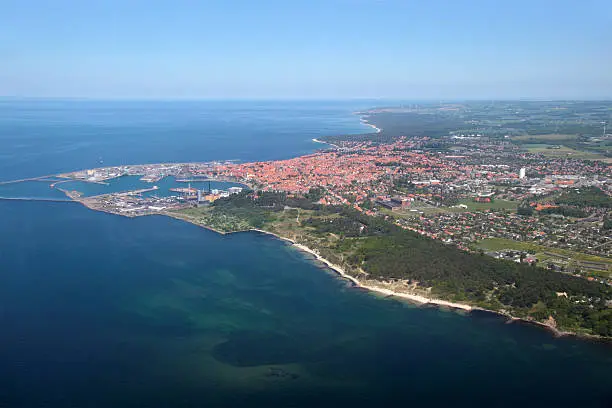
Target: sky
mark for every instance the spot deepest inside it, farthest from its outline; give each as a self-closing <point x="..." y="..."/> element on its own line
<point x="294" y="49"/>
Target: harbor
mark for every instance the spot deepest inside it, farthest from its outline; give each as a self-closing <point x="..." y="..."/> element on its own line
<point x="128" y="190"/>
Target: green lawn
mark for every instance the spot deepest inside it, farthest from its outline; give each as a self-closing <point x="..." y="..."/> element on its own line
<point x="542" y="252"/>
<point x="552" y="138"/>
<point x="564" y="151"/>
<point x="471" y="206"/>
<point x="495" y="205"/>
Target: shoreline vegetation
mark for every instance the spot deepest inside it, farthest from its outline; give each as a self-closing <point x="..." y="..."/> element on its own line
<point x="404" y="296"/>
<point x="378" y="287"/>
<point x="341" y="272"/>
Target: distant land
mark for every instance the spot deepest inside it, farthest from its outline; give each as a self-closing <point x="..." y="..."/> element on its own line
<point x="578" y="126"/>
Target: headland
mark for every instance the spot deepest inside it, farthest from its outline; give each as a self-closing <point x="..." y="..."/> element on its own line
<point x="399" y="219"/>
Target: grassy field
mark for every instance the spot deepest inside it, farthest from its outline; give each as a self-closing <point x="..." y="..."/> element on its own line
<point x="284" y="222"/>
<point x="541" y="144"/>
<point x="545" y="253"/>
<point x="553" y="138"/>
<point x="471" y="206"/>
<point x="564" y="151"/>
<point x="426" y="210"/>
<point x="495" y="205"/>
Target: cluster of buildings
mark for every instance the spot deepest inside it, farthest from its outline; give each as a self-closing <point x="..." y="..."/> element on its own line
<point x="406" y="177"/>
<point x="361" y="173"/>
<point x="150" y="173"/>
<point x="465" y="228"/>
<point x="135" y="203"/>
<point x="132" y="204"/>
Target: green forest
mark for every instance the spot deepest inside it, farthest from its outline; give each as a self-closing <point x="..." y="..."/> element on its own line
<point x="578" y="120"/>
<point x="585" y="197"/>
<point x="386" y="252"/>
<point x="411" y="124"/>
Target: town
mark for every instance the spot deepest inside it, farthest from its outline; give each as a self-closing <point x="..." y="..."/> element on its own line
<point x="490" y="197"/>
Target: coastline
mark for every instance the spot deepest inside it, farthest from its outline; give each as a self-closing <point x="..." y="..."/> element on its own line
<point x="327" y="143"/>
<point x="363" y="120"/>
<point x="387" y="292"/>
<point x="367" y="123"/>
<point x="425" y="301"/>
<point x="422" y="300"/>
<point x="411" y="298"/>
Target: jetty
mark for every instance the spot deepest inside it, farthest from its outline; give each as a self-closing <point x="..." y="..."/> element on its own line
<point x="40" y="178"/>
<point x="135" y="192"/>
<point x="53" y="200"/>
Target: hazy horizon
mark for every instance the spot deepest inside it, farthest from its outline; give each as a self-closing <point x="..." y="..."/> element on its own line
<point x="294" y="99"/>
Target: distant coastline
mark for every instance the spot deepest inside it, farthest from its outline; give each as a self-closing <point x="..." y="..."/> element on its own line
<point x="367" y="123"/>
<point x="362" y="120"/>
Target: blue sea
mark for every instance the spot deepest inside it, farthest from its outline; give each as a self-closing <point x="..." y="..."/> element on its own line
<point x="97" y="310"/>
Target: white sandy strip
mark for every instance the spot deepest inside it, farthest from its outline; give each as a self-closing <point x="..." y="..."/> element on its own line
<point x="327" y="143"/>
<point x="365" y="122"/>
<point x="388" y="292"/>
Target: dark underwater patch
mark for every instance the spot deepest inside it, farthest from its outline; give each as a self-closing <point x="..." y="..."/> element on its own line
<point x="253" y="348"/>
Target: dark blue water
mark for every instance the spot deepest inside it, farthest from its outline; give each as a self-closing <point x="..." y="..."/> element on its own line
<point x="98" y="310"/>
<point x="55" y="136"/>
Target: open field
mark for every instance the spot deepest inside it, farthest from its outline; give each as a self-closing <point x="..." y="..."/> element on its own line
<point x="545" y="253"/>
<point x="564" y="151"/>
<point x="426" y="210"/>
<point x="554" y="138"/>
<point x="471" y="206"/>
<point x="495" y="205"/>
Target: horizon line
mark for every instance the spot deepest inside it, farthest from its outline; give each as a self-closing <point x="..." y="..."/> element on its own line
<point x="298" y="99"/>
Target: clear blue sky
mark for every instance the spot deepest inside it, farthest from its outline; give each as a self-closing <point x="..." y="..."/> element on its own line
<point x="427" y="49"/>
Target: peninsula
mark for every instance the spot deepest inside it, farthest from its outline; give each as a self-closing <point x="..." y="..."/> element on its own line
<point x="460" y="221"/>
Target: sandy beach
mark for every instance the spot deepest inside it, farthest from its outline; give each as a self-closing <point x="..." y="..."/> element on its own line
<point x="414" y="298"/>
<point x="365" y="122"/>
<point x="422" y="300"/>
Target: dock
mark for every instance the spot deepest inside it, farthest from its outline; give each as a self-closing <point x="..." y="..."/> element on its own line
<point x="136" y="192"/>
